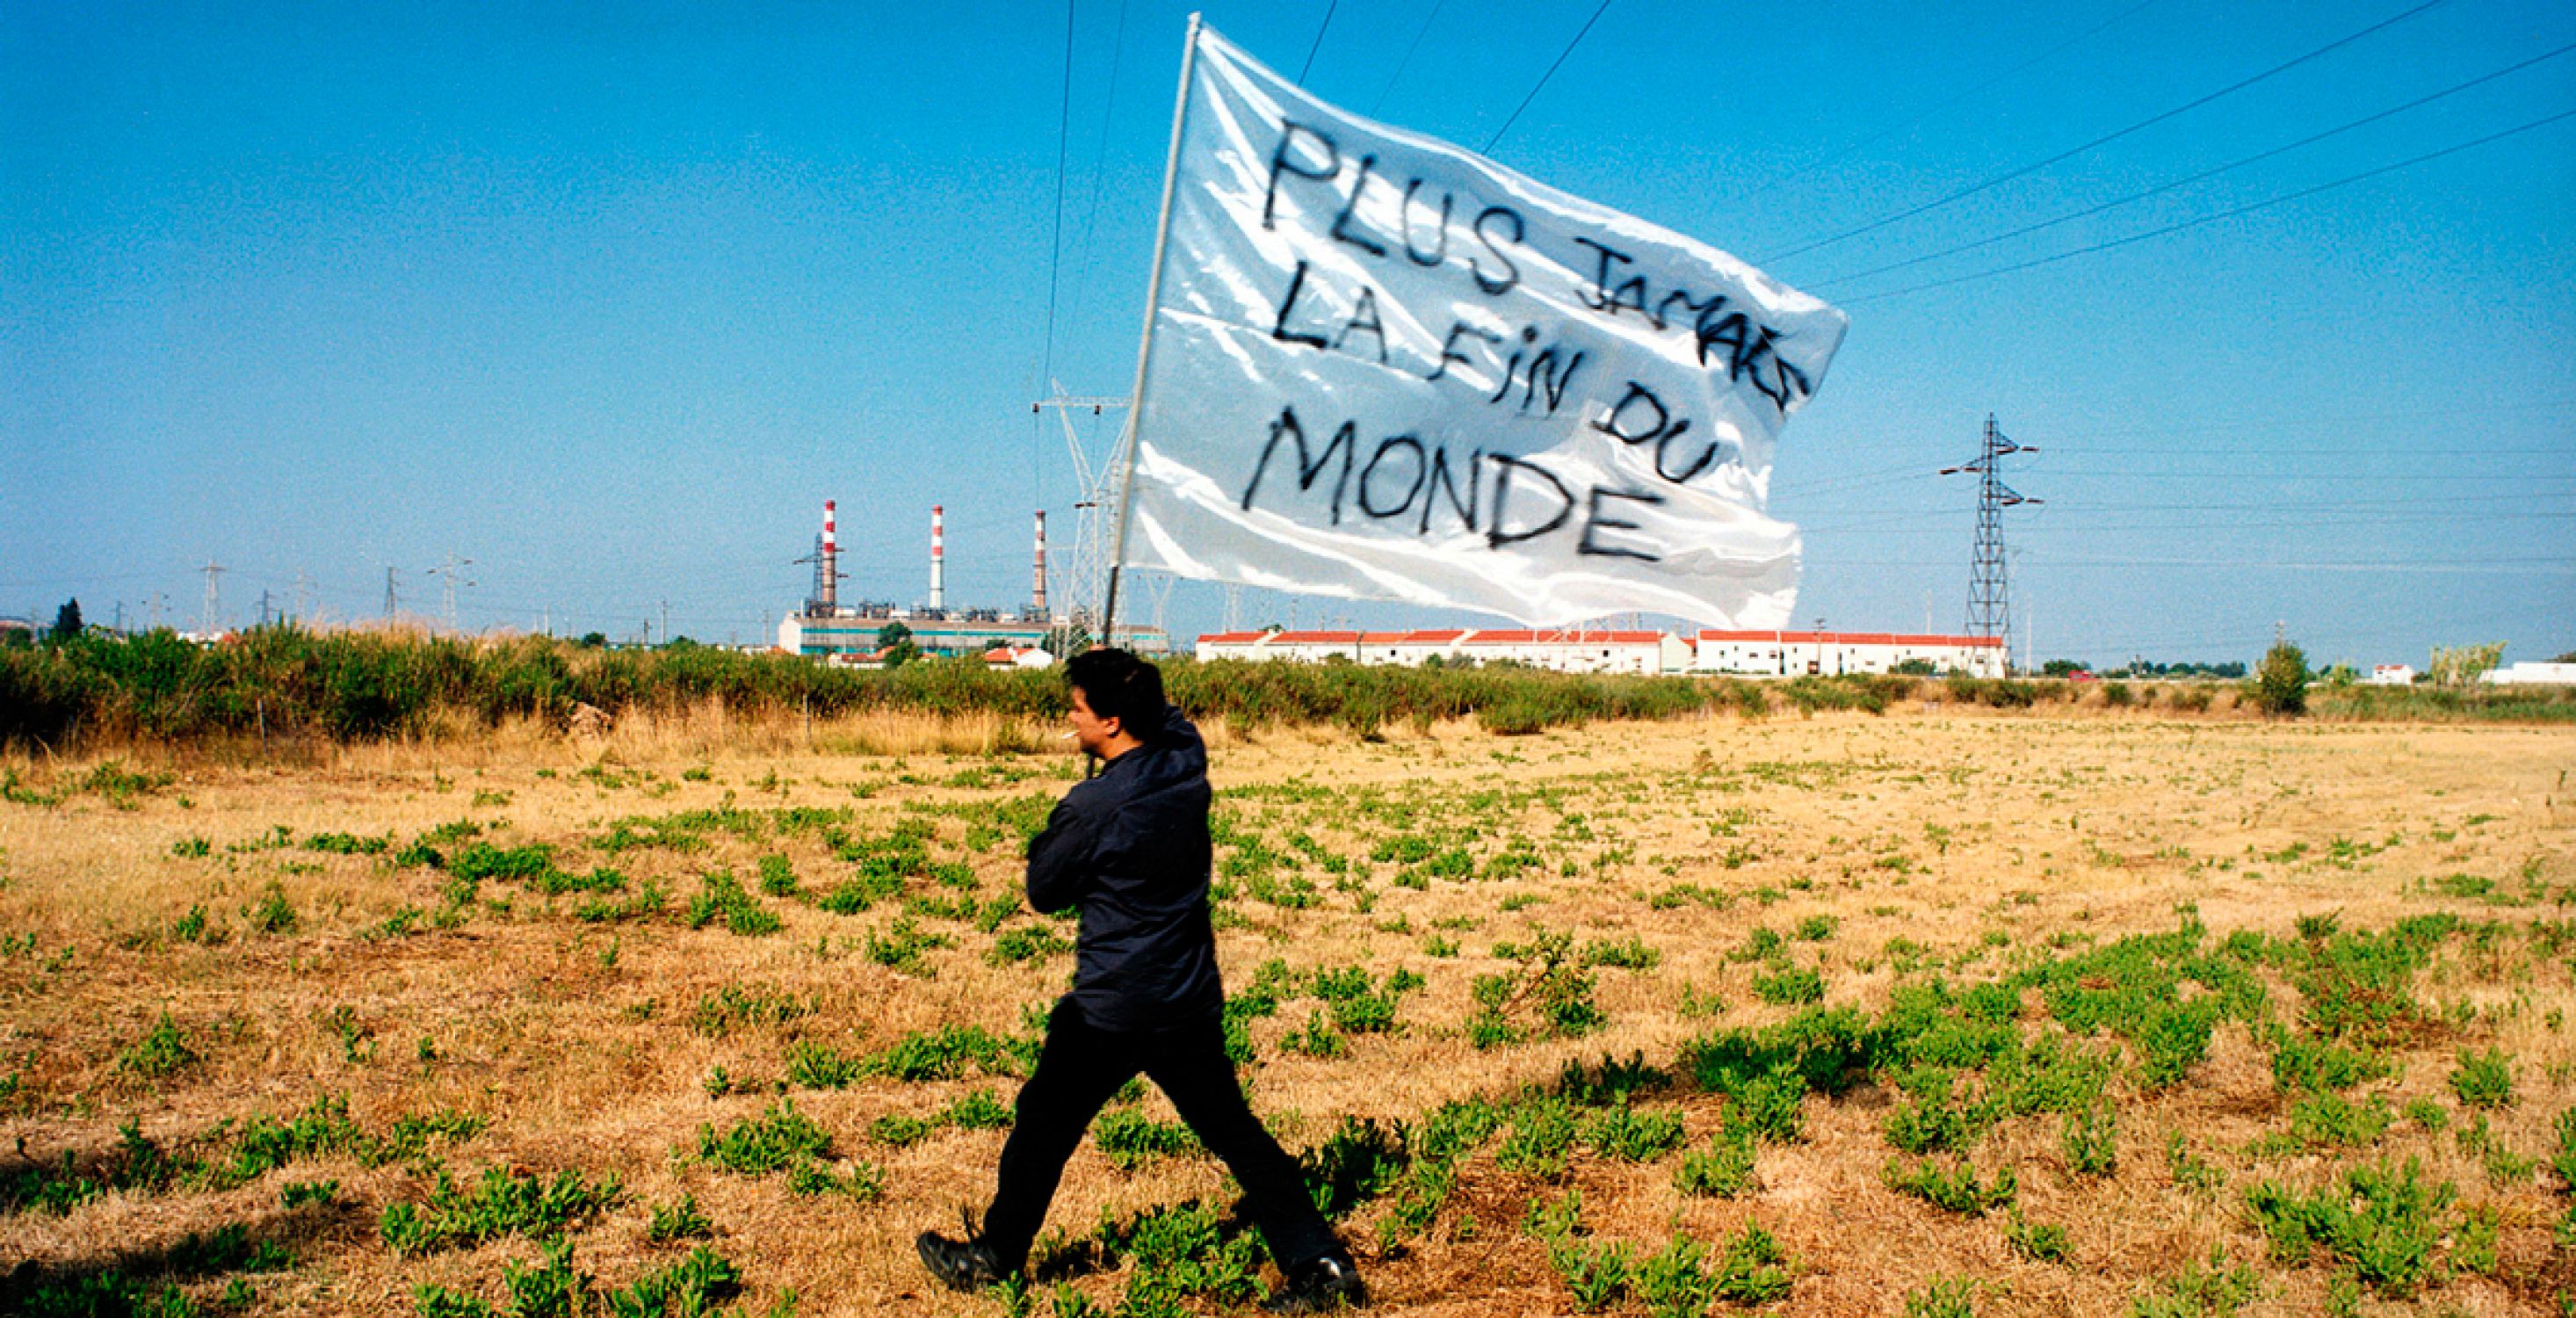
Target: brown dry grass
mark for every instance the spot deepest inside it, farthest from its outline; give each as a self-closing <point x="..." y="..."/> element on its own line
<point x="571" y="1038"/>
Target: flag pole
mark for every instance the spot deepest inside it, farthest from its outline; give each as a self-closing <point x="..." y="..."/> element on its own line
<point x="1145" y="350"/>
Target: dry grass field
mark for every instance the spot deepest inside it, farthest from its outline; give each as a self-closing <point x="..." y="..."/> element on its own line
<point x="1933" y="1013"/>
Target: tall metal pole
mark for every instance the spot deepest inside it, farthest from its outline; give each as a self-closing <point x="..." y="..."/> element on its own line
<point x="1145" y="350"/>
<point x="447" y="584"/>
<point x="1094" y="510"/>
<point x="214" y="596"/>
<point x="1989" y="584"/>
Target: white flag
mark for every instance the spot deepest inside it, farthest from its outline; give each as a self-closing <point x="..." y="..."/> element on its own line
<point x="1383" y="367"/>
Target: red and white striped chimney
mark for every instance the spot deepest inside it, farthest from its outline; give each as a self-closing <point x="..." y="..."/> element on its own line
<point x="1039" y="605"/>
<point x="829" y="596"/>
<point x="938" y="557"/>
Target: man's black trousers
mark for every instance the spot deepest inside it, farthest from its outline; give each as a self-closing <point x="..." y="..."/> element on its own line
<point x="1081" y="1067"/>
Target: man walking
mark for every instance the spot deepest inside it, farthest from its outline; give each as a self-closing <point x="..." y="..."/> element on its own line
<point x="1130" y="849"/>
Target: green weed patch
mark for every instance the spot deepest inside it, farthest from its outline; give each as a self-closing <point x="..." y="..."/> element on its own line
<point x="2384" y="1222"/>
<point x="505" y="1201"/>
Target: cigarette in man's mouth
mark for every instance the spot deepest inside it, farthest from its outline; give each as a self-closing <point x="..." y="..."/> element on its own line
<point x="1066" y="737"/>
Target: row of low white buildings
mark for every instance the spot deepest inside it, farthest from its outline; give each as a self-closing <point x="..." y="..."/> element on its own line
<point x="1580" y="650"/>
<point x="2526" y="673"/>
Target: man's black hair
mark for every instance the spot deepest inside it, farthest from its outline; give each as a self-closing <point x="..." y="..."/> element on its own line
<point x="1117" y="684"/>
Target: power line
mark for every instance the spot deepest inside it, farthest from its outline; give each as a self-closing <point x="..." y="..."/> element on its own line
<point x="1823" y="491"/>
<point x="2303" y="421"/>
<point x="2412" y="478"/>
<point x="2106" y="139"/>
<point x="1488" y="148"/>
<point x="1326" y="26"/>
<point x="2549" y="566"/>
<point x="1099" y="168"/>
<point x="2000" y="78"/>
<point x="1903" y="524"/>
<point x="2203" y="176"/>
<point x="2305" y="506"/>
<point x="1407" y="61"/>
<point x="1055" y="248"/>
<point x="2248" y="209"/>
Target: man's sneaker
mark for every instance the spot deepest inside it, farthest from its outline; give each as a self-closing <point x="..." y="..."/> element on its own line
<point x="965" y="1265"/>
<point x="1327" y="1285"/>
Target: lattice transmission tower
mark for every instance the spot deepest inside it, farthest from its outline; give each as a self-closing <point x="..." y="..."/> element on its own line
<point x="1989" y="584"/>
<point x="1095" y="535"/>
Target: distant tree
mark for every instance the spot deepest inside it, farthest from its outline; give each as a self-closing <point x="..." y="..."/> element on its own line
<point x="2567" y="658"/>
<point x="1914" y="668"/>
<point x="2281" y="683"/>
<point x="2341" y="675"/>
<point x="2231" y="670"/>
<point x="594" y="640"/>
<point x="2061" y="668"/>
<point x="2462" y="664"/>
<point x="67" y="620"/>
<point x="895" y="640"/>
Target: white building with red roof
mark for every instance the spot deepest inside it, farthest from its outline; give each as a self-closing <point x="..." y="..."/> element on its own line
<point x="1229" y="645"/>
<point x="1576" y="650"/>
<point x="1564" y="650"/>
<point x="1311" y="647"/>
<point x="1824" y="654"/>
<point x="1410" y="649"/>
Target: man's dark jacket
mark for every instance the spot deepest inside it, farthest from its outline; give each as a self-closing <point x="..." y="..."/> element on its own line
<point x="1130" y="849"/>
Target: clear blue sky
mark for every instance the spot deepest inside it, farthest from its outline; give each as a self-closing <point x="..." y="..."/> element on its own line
<point x="609" y="298"/>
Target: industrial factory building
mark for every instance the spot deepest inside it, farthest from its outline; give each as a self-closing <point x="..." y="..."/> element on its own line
<point x="833" y="632"/>
<point x="1580" y="650"/>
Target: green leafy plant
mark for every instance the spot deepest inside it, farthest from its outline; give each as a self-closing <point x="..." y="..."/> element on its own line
<point x="2304" y="1063"/>
<point x="679" y="1221"/>
<point x="901" y="945"/>
<point x="2484" y="1080"/>
<point x="1952" y="1186"/>
<point x="272" y="913"/>
<point x="1752" y="1268"/>
<point x="1723" y="1170"/>
<point x="1943" y="1297"/>
<point x="2040" y="1242"/>
<point x="1541" y="1138"/>
<point x="1132" y="1139"/>
<point x="2091" y="1141"/>
<point x="1596" y="1276"/>
<point x="2385" y="1222"/>
<point x="777" y="1139"/>
<point x="719" y="1012"/>
<point x="161" y="1053"/>
<point x="2329" y="1119"/>
<point x="506" y="1201"/>
<point x="1623" y="1134"/>
<point x="1674" y="1281"/>
<point x="949" y="1053"/>
<point x="1790" y="986"/>
<point x="2217" y="1291"/>
<point x="721" y="897"/>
